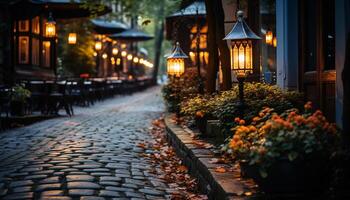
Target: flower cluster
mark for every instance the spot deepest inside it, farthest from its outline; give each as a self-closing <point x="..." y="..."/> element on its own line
<point x="291" y="135"/>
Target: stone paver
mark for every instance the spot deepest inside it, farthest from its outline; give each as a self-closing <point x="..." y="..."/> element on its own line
<point x="90" y="156"/>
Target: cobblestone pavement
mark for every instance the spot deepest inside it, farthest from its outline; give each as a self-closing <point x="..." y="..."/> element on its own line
<point x="93" y="155"/>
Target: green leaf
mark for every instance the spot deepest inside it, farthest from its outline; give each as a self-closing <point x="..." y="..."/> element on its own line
<point x="292" y="155"/>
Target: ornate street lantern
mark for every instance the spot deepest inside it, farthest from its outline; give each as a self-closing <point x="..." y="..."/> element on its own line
<point x="50" y="26"/>
<point x="241" y="37"/>
<point x="176" y="62"/>
<point x="269" y="37"/>
<point x="98" y="45"/>
<point x="115" y="51"/>
<point x="72" y="38"/>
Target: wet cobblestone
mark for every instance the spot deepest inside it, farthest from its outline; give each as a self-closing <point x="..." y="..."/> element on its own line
<point x="91" y="156"/>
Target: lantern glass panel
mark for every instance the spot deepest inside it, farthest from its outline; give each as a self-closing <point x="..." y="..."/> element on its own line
<point x="72" y="38"/>
<point x="175" y="66"/>
<point x="241" y="57"/>
<point x="50" y="29"/>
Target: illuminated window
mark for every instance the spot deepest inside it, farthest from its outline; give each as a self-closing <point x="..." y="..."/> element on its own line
<point x="46" y="59"/>
<point x="35" y="51"/>
<point x="23" y="25"/>
<point x="23" y="50"/>
<point x="36" y="25"/>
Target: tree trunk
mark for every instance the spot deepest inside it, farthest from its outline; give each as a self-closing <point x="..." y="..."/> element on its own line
<point x="212" y="49"/>
<point x="222" y="44"/>
<point x="158" y="43"/>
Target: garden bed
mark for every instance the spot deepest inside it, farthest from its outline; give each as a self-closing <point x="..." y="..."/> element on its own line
<point x="198" y="156"/>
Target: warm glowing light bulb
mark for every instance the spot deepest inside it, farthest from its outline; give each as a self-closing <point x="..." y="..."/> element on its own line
<point x="124" y="53"/>
<point x="241" y="58"/>
<point x="98" y="45"/>
<point x="115" y="51"/>
<point x="104" y="56"/>
<point x="269" y="37"/>
<point x="129" y="57"/>
<point x="136" y="60"/>
<point x="95" y="54"/>
<point x="72" y="38"/>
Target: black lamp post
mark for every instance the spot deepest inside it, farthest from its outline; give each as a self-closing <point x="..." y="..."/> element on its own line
<point x="241" y="37"/>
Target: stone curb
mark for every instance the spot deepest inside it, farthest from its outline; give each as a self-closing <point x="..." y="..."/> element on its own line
<point x="217" y="186"/>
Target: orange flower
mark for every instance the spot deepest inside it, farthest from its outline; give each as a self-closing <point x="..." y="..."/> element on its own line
<point x="199" y="114"/>
<point x="241" y="122"/>
<point x="237" y="119"/>
<point x="252" y="128"/>
<point x="236" y="138"/>
<point x="255" y="119"/>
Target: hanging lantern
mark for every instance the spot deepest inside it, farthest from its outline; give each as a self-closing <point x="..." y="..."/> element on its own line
<point x="72" y="38"/>
<point x="124" y="53"/>
<point x="129" y="57"/>
<point x="98" y="45"/>
<point x="50" y="26"/>
<point x="269" y="37"/>
<point x="274" y="42"/>
<point x="104" y="56"/>
<point x="176" y="62"/>
<point x="241" y="37"/>
<point x="115" y="51"/>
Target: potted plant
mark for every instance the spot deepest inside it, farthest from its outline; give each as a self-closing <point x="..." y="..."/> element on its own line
<point x="19" y="97"/>
<point x="287" y="153"/>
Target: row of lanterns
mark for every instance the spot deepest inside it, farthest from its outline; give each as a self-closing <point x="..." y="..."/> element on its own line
<point x="241" y="37"/>
<point x="50" y="30"/>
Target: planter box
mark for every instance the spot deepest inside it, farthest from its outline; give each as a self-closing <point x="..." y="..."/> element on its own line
<point x="201" y="124"/>
<point x="290" y="178"/>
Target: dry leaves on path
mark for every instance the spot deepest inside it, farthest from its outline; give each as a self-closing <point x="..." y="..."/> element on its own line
<point x="168" y="166"/>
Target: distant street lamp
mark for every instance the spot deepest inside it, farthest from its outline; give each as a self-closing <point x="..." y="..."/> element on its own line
<point x="115" y="51"/>
<point x="176" y="62"/>
<point x="50" y="26"/>
<point x="72" y="38"/>
<point x="124" y="53"/>
<point x="104" y="56"/>
<point x="241" y="37"/>
<point x="129" y="57"/>
<point x="98" y="45"/>
<point x="269" y="37"/>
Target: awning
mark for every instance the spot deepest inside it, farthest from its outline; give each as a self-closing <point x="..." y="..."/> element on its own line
<point x="61" y="9"/>
<point x="131" y="35"/>
<point x="102" y="26"/>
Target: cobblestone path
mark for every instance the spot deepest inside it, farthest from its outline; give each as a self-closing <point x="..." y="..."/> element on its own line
<point x="93" y="155"/>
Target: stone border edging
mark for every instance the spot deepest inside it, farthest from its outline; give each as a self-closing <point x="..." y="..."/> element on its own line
<point x="216" y="185"/>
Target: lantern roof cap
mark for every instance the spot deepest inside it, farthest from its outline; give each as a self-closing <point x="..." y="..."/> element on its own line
<point x="241" y="30"/>
<point x="177" y="52"/>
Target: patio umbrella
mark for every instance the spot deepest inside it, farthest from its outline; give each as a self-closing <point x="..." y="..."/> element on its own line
<point x="192" y="11"/>
<point x="131" y="35"/>
<point x="102" y="26"/>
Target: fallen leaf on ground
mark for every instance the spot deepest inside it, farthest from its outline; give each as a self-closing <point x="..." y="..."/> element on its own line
<point x="220" y="170"/>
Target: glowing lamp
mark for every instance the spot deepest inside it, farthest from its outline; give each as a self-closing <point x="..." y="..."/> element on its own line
<point x="115" y="51"/>
<point x="136" y="60"/>
<point x="98" y="45"/>
<point x="274" y="42"/>
<point x="50" y="26"/>
<point x="176" y="62"/>
<point x="269" y="37"/>
<point x="104" y="56"/>
<point x="241" y="37"/>
<point x="72" y="38"/>
<point x="124" y="53"/>
<point x="129" y="57"/>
